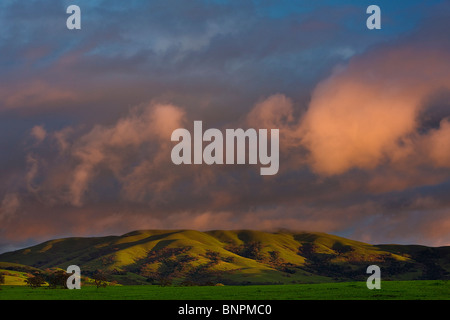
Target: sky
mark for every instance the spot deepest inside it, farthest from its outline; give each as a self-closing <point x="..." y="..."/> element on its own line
<point x="86" y="117"/>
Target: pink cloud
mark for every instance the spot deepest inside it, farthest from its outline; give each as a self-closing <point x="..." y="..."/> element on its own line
<point x="34" y="93"/>
<point x="436" y="145"/>
<point x="364" y="114"/>
<point x="116" y="146"/>
<point x="38" y="133"/>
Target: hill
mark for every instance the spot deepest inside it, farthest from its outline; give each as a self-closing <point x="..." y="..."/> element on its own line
<point x="191" y="257"/>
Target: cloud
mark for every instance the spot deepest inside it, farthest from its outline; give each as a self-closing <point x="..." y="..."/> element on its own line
<point x="366" y="114"/>
<point x="274" y="112"/>
<point x="436" y="144"/>
<point x="38" y="133"/>
<point x="118" y="146"/>
<point x="364" y="121"/>
<point x="35" y="93"/>
<point x="122" y="171"/>
<point x="9" y="206"/>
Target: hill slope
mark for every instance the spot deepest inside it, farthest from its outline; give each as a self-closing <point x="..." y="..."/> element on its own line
<point x="233" y="257"/>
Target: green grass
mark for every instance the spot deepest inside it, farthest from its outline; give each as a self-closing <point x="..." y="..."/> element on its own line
<point x="390" y="290"/>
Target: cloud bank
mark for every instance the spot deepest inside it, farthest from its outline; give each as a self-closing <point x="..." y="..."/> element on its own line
<point x="364" y="123"/>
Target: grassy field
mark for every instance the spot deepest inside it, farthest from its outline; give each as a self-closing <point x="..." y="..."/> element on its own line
<point x="390" y="290"/>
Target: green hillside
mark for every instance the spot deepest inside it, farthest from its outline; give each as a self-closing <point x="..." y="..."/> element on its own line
<point x="189" y="257"/>
<point x="15" y="274"/>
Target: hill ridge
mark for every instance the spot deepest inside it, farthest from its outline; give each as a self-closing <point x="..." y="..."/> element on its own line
<point x="241" y="256"/>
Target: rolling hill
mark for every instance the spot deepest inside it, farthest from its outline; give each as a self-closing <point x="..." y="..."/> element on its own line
<point x="190" y="257"/>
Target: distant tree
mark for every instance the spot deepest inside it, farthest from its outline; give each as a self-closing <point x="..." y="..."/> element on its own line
<point x="167" y="270"/>
<point x="307" y="249"/>
<point x="99" y="279"/>
<point x="171" y="264"/>
<point x="213" y="256"/>
<point x="57" y="278"/>
<point x="233" y="248"/>
<point x="110" y="259"/>
<point x="35" y="281"/>
<point x="275" y="258"/>
<point x="341" y="248"/>
<point x="202" y="275"/>
<point x="151" y="279"/>
<point x="2" y="278"/>
<point x="187" y="283"/>
<point x="252" y="250"/>
<point x="280" y="264"/>
<point x="229" y="259"/>
<point x="164" y="282"/>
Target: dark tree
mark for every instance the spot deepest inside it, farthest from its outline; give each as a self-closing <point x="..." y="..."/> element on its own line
<point x="201" y="275"/>
<point x="307" y="249"/>
<point x="35" y="281"/>
<point x="57" y="278"/>
<point x="213" y="256"/>
<point x="165" y="282"/>
<point x="229" y="259"/>
<point x="341" y="248"/>
<point x="168" y="269"/>
<point x="100" y="279"/>
<point x="2" y="278"/>
<point x="233" y="248"/>
<point x="252" y="250"/>
<point x="275" y="258"/>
